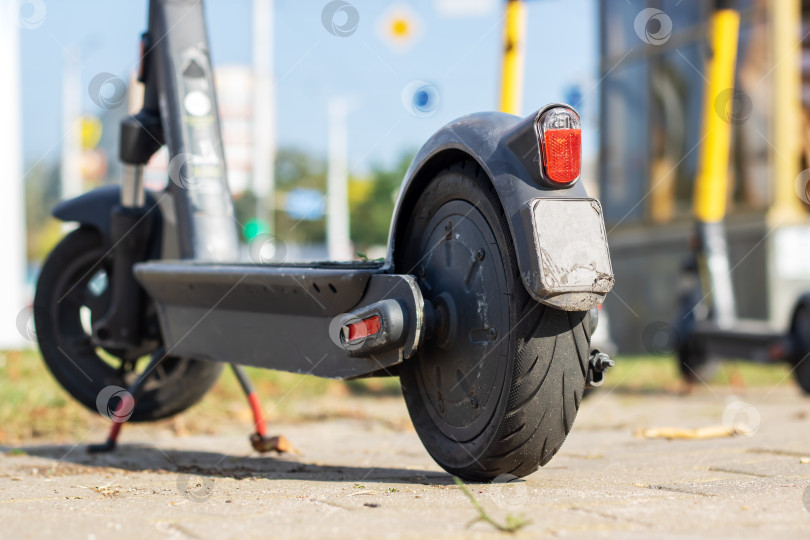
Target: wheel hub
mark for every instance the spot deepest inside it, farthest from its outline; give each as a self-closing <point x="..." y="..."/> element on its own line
<point x="460" y="369"/>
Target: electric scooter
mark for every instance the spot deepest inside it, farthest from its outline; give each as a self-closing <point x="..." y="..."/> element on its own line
<point x="483" y="306"/>
<point x="708" y="334"/>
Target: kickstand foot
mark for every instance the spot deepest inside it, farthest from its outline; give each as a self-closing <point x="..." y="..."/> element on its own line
<point x="259" y="440"/>
<point x="262" y="443"/>
<point x="107" y="446"/>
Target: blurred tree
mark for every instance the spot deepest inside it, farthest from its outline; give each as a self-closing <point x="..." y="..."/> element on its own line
<point x="298" y="169"/>
<point x="372" y="203"/>
<point x="41" y="195"/>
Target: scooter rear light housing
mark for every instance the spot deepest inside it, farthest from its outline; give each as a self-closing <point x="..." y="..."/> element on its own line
<point x="560" y="139"/>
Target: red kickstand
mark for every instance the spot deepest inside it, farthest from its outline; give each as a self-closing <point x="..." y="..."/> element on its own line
<point x="259" y="440"/>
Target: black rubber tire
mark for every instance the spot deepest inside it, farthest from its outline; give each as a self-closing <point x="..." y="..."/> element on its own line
<point x="800" y="343"/>
<point x="545" y="358"/>
<point x="177" y="384"/>
<point x="695" y="365"/>
<point x="802" y="375"/>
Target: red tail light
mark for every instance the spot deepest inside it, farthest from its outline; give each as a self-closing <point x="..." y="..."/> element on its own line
<point x="560" y="144"/>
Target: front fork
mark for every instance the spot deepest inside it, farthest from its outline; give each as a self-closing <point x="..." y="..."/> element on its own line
<point x="132" y="227"/>
<point x="130" y="235"/>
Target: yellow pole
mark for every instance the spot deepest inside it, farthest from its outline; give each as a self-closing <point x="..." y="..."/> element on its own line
<point x="785" y="17"/>
<point x="513" y="57"/>
<point x="711" y="188"/>
<point x="711" y="184"/>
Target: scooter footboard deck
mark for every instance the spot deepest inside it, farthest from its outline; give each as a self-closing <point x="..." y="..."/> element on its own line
<point x="751" y="339"/>
<point x="324" y="289"/>
<point x="289" y="318"/>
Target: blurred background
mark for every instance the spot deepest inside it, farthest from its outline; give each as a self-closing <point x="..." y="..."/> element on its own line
<point x="309" y="92"/>
<point x="279" y="71"/>
<point x="651" y="126"/>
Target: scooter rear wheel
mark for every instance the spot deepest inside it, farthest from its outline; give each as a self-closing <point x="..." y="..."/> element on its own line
<point x="71" y="293"/>
<point x="496" y="389"/>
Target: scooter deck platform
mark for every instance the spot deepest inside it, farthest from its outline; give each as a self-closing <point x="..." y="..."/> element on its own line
<point x="285" y="317"/>
<point x="320" y="288"/>
<point x="747" y="338"/>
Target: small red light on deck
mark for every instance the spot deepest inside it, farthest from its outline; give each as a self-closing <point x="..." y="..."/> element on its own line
<point x="362" y="329"/>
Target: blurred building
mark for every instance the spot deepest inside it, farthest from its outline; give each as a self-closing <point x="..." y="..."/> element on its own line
<point x="652" y="57"/>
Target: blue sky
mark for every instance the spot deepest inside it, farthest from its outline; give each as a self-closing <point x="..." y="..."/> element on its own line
<point x="460" y="56"/>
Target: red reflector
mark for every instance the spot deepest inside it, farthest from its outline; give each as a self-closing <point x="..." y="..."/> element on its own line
<point x="562" y="154"/>
<point x="364" y="328"/>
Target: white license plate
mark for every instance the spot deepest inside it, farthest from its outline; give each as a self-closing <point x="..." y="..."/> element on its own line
<point x="572" y="246"/>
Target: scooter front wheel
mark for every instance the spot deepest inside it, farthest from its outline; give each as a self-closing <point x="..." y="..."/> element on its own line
<point x="72" y="292"/>
<point x="495" y="390"/>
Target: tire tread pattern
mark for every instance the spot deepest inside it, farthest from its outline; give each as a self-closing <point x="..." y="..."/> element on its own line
<point x="552" y="349"/>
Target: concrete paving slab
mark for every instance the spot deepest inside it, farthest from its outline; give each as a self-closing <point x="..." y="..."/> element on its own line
<point x="369" y="477"/>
